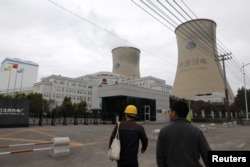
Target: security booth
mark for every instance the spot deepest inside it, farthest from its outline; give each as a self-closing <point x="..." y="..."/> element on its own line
<point x="149" y="102"/>
<point x="14" y="112"/>
<point x="113" y="108"/>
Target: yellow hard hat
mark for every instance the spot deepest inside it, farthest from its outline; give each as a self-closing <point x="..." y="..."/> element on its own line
<point x="131" y="109"/>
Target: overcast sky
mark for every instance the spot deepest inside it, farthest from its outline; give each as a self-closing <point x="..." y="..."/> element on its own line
<point x="76" y="38"/>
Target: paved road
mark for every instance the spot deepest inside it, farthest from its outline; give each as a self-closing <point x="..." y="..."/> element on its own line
<point x="89" y="143"/>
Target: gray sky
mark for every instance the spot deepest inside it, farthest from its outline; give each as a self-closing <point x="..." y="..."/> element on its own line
<point x="75" y="45"/>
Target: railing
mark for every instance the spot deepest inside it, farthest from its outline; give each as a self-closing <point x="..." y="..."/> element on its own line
<point x="70" y="118"/>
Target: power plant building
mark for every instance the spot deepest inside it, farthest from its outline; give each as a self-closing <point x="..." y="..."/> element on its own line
<point x="198" y="73"/>
<point x="96" y="89"/>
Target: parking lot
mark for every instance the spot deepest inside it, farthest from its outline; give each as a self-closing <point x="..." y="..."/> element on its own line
<point x="89" y="144"/>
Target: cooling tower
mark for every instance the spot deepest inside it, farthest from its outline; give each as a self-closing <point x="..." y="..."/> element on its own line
<point x="126" y="61"/>
<point x="198" y="73"/>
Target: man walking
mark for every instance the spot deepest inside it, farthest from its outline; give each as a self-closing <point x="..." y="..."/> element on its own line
<point x="180" y="144"/>
<point x="130" y="134"/>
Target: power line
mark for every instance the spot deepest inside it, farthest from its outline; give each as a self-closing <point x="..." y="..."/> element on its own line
<point x="103" y="29"/>
<point x="183" y="34"/>
<point x="175" y="13"/>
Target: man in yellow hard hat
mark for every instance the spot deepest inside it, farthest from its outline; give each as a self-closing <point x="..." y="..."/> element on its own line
<point x="130" y="134"/>
<point x="131" y="111"/>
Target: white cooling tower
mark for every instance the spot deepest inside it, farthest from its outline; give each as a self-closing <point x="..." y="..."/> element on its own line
<point x="197" y="71"/>
<point x="126" y="61"/>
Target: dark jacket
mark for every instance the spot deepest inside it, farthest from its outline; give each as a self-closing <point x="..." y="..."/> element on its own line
<point x="130" y="133"/>
<point x="180" y="144"/>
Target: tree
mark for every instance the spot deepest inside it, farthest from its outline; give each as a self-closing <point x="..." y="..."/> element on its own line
<point x="36" y="102"/>
<point x="66" y="108"/>
<point x="20" y="96"/>
<point x="82" y="107"/>
<point x="239" y="100"/>
<point x="66" y="105"/>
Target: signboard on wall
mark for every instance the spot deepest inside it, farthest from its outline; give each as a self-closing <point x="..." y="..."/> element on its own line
<point x="14" y="113"/>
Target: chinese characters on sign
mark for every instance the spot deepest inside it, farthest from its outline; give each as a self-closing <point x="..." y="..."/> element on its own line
<point x="192" y="62"/>
<point x="11" y="111"/>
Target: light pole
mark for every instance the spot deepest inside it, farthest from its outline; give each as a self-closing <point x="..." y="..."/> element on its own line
<point x="243" y="67"/>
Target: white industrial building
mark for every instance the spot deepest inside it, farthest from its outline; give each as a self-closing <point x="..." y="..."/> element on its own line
<point x="17" y="75"/>
<point x="91" y="88"/>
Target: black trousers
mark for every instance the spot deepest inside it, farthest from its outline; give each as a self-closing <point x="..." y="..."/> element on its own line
<point x="133" y="163"/>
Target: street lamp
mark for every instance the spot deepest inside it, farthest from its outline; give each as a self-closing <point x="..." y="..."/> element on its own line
<point x="243" y="67"/>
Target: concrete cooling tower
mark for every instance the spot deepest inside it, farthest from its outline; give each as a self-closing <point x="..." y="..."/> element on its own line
<point x="126" y="61"/>
<point x="198" y="73"/>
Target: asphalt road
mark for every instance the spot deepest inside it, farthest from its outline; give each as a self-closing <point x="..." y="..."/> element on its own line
<point x="89" y="144"/>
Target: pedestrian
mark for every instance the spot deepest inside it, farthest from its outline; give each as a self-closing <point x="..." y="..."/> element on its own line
<point x="130" y="134"/>
<point x="181" y="144"/>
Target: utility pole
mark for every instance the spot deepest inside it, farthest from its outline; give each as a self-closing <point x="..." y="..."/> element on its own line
<point x="222" y="58"/>
<point x="243" y="67"/>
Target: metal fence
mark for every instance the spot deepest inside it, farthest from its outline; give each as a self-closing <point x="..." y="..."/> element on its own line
<point x="69" y="118"/>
